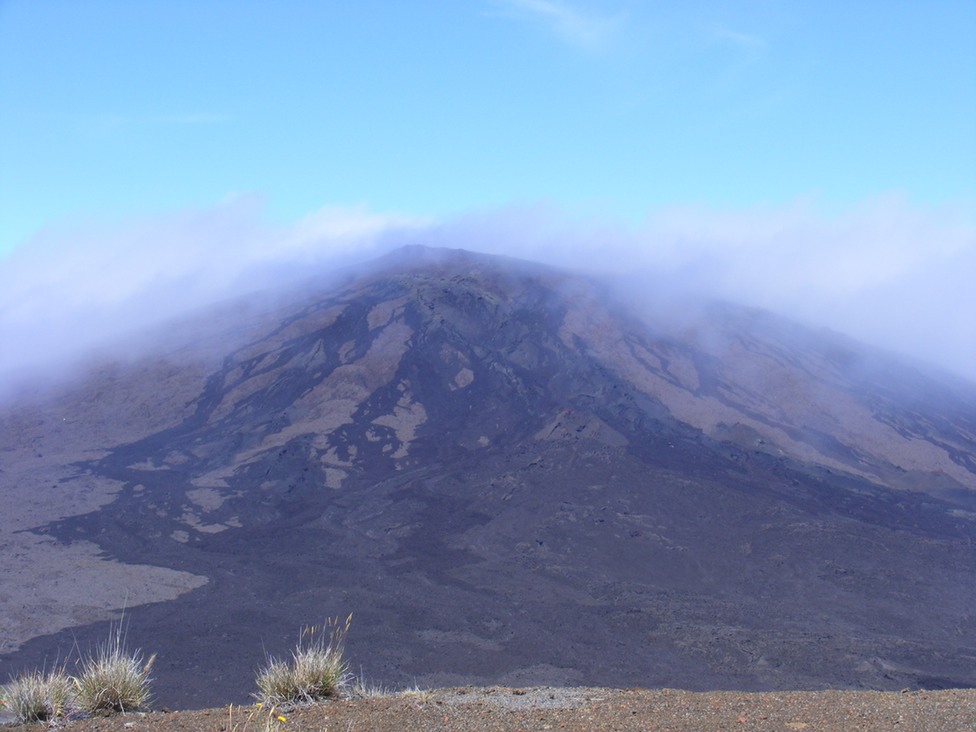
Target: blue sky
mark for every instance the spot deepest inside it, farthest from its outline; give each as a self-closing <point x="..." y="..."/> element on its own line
<point x="433" y="108"/>
<point x="642" y="122"/>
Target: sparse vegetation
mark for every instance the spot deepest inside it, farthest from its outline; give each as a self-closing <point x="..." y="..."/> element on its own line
<point x="416" y="694"/>
<point x="37" y="696"/>
<point x="255" y="718"/>
<point x="317" y="669"/>
<point x="368" y="690"/>
<point x="361" y="689"/>
<point x="110" y="680"/>
<point x="114" y="679"/>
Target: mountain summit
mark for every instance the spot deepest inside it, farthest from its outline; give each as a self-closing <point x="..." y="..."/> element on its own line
<point x="506" y="477"/>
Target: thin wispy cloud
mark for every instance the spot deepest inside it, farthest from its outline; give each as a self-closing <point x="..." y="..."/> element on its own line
<point x="578" y="27"/>
<point x="746" y="41"/>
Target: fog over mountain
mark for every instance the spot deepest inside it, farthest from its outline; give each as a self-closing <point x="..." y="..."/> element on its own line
<point x="889" y="273"/>
<point x="508" y="473"/>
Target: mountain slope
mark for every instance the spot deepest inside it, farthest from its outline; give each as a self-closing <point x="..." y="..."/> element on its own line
<point x="508" y="479"/>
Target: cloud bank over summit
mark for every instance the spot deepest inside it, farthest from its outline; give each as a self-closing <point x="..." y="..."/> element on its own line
<point x="887" y="272"/>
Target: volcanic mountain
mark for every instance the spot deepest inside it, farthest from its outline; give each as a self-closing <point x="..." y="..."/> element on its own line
<point x="507" y="477"/>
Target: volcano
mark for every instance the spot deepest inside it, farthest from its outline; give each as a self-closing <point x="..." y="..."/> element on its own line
<point x="507" y="476"/>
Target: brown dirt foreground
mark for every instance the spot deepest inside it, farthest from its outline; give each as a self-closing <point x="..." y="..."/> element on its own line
<point x="504" y="709"/>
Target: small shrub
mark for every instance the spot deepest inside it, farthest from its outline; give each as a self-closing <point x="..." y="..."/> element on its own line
<point x="38" y="697"/>
<point x="317" y="670"/>
<point x="113" y="679"/>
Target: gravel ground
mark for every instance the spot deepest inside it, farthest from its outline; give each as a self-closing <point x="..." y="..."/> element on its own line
<point x="507" y="710"/>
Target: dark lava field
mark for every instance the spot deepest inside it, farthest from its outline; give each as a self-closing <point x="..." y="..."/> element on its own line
<point x="507" y="477"/>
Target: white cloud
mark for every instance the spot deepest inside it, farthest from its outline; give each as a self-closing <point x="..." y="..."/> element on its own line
<point x="888" y="272"/>
<point x="580" y="28"/>
<point x="345" y="230"/>
<point x="74" y="287"/>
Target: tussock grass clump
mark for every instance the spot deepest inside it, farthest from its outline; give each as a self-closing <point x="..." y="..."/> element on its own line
<point x="38" y="697"/>
<point x="420" y="696"/>
<point x="114" y="679"/>
<point x="317" y="669"/>
<point x="110" y="680"/>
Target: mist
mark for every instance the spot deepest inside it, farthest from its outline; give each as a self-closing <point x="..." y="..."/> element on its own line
<point x="82" y="287"/>
<point x="887" y="272"/>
